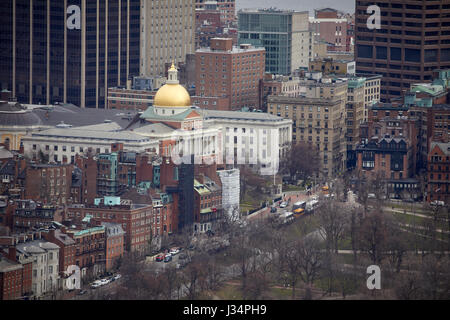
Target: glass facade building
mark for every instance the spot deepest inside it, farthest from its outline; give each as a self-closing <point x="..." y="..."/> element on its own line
<point x="276" y="31"/>
<point x="44" y="61"/>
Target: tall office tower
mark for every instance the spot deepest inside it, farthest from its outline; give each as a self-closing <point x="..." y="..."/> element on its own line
<point x="284" y="34"/>
<point x="167" y="34"/>
<point x="227" y="9"/>
<point x="412" y="41"/>
<point x="68" y="51"/>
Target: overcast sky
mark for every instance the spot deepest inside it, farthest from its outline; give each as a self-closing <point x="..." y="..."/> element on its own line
<point x="299" y="5"/>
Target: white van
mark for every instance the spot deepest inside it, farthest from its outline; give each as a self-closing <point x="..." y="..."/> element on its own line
<point x="286" y="217"/>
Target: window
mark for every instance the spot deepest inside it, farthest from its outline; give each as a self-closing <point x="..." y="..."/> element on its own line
<point x="412" y="55"/>
<point x="365" y="51"/>
<point x="381" y="52"/>
<point x="396" y="53"/>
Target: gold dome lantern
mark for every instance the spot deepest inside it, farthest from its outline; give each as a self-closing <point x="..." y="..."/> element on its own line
<point x="172" y="94"/>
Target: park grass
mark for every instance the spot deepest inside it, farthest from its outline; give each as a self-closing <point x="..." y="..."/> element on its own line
<point x="281" y="293"/>
<point x="345" y="243"/>
<point x="229" y="292"/>
<point x="290" y="187"/>
<point x="408" y="219"/>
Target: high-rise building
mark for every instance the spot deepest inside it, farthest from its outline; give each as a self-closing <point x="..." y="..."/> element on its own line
<point x="328" y="25"/>
<point x="227" y="71"/>
<point x="412" y="40"/>
<point x="354" y="117"/>
<point x="167" y="34"/>
<point x="284" y="34"/>
<point x="68" y="51"/>
<point x="227" y="9"/>
<point x="318" y="119"/>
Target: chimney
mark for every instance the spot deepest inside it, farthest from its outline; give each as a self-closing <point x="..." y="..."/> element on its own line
<point x="12" y="253"/>
<point x="201" y="178"/>
<point x="116" y="147"/>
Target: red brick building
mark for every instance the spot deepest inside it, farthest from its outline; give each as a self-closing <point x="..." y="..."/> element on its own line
<point x="29" y="214"/>
<point x="438" y="172"/>
<point x="207" y="203"/>
<point x="15" y="276"/>
<point x="48" y="183"/>
<point x="67" y="247"/>
<point x="226" y="8"/>
<point x="212" y="103"/>
<point x="109" y="174"/>
<point x="114" y="244"/>
<point x="86" y="190"/>
<point x="439" y="123"/>
<point x="164" y="221"/>
<point x="135" y="219"/>
<point x="90" y="244"/>
<point x="328" y="25"/>
<point x="230" y="72"/>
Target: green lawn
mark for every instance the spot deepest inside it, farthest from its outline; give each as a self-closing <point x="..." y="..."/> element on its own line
<point x="290" y="187"/>
<point x="229" y="292"/>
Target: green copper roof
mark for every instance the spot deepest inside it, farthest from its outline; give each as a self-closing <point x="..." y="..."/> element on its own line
<point x="90" y="230"/>
<point x="431" y="90"/>
<point x="150" y="114"/>
<point x="356" y="82"/>
<point x="87" y="218"/>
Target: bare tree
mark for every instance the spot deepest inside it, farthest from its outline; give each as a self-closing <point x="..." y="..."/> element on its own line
<point x="435" y="277"/>
<point x="301" y="161"/>
<point x="396" y="246"/>
<point x="290" y="264"/>
<point x="214" y="274"/>
<point x="192" y="278"/>
<point x="363" y="196"/>
<point x="373" y="235"/>
<point x="407" y="286"/>
<point x="310" y="262"/>
<point x="355" y="215"/>
<point x="249" y="180"/>
<point x="170" y="278"/>
<point x="333" y="223"/>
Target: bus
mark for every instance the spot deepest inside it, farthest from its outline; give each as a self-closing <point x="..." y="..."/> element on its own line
<point x="311" y="205"/>
<point x="299" y="212"/>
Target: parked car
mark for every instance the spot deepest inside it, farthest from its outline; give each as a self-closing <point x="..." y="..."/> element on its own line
<point x="105" y="281"/>
<point x="283" y="204"/>
<point x="273" y="209"/>
<point x="117" y="276"/>
<point x="95" y="285"/>
<point x="174" y="251"/>
<point x="168" y="257"/>
<point x="159" y="258"/>
<point x="82" y="292"/>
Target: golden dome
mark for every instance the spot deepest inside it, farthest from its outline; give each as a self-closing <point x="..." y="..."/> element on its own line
<point x="172" y="95"/>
